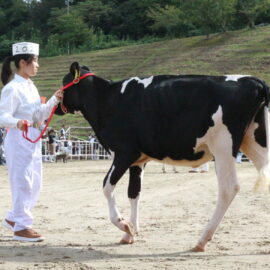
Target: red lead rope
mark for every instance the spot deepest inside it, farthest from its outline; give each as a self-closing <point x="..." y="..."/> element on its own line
<point x="25" y="131"/>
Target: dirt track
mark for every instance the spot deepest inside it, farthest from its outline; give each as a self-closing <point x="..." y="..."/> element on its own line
<point x="73" y="216"/>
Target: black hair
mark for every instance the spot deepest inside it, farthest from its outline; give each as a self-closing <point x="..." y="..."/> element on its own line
<point x="6" y="69"/>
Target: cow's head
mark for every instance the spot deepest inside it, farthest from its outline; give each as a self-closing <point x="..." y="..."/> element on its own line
<point x="72" y="96"/>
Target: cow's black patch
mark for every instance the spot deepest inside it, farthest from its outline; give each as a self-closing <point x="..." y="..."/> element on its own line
<point x="134" y="186"/>
<point x="260" y="131"/>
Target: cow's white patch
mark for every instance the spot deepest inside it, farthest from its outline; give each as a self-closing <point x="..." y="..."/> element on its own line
<point x="235" y="77"/>
<point x="108" y="191"/>
<point x="110" y="174"/>
<point x="212" y="132"/>
<point x="216" y="136"/>
<point x="145" y="82"/>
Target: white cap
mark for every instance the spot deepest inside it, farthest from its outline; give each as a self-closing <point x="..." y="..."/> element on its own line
<point x="25" y="48"/>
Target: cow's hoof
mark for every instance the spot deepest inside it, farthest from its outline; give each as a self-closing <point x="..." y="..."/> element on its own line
<point x="127" y="227"/>
<point x="127" y="240"/>
<point x="198" y="248"/>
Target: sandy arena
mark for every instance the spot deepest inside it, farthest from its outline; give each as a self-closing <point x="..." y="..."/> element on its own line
<point x="72" y="214"/>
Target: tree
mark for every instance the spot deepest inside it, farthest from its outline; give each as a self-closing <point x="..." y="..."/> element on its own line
<point x="166" y="18"/>
<point x="40" y="12"/>
<point x="3" y="22"/>
<point x="69" y="28"/>
<point x="227" y="9"/>
<point x="210" y="15"/>
<point x="252" y="9"/>
<point x="129" y="19"/>
<point x="4" y="4"/>
<point x="94" y="12"/>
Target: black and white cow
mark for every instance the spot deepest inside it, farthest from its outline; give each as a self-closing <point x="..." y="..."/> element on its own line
<point x="183" y="120"/>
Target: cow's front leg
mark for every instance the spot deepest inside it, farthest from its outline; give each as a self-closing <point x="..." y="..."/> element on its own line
<point x="120" y="164"/>
<point x="134" y="189"/>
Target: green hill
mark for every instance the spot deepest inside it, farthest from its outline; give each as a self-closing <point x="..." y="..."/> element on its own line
<point x="238" y="52"/>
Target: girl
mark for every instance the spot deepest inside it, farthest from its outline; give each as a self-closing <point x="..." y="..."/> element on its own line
<point x="20" y="104"/>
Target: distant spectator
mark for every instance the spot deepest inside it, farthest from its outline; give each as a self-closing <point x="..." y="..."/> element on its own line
<point x="94" y="147"/>
<point x="51" y="144"/>
<point x="173" y="167"/>
<point x="202" y="169"/>
<point x="1" y="135"/>
<point x="69" y="147"/>
<point x="239" y="157"/>
<point x="63" y="132"/>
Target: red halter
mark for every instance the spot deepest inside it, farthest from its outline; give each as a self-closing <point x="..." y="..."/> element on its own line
<point x="25" y="131"/>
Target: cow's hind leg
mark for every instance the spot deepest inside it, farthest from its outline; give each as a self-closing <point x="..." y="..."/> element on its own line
<point x="134" y="189"/>
<point x="120" y="164"/>
<point x="227" y="189"/>
<point x="254" y="146"/>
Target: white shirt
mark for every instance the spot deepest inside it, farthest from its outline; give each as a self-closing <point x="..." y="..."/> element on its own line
<point x="62" y="132"/>
<point x="20" y="100"/>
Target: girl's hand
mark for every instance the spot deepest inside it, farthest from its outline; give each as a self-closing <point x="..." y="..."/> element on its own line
<point x="21" y="124"/>
<point x="59" y="94"/>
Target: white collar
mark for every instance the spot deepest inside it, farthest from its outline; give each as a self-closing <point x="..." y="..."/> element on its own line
<point x="19" y="78"/>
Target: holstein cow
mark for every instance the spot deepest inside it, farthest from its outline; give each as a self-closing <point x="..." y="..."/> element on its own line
<point x="183" y="120"/>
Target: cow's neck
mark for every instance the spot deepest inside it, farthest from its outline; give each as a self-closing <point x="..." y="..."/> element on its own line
<point x="98" y="105"/>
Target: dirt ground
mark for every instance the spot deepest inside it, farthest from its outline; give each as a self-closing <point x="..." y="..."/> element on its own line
<point x="72" y="214"/>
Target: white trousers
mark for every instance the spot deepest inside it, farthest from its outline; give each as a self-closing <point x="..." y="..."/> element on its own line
<point x="203" y="168"/>
<point x="239" y="157"/>
<point x="24" y="162"/>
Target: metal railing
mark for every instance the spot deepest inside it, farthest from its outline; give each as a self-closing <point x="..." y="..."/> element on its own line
<point x="78" y="150"/>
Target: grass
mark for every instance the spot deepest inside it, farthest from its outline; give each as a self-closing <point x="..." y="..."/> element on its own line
<point x="237" y="52"/>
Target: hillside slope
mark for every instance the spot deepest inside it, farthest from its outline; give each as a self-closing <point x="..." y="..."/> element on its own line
<point x="238" y="52"/>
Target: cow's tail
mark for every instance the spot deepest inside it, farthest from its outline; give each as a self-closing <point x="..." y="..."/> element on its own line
<point x="263" y="182"/>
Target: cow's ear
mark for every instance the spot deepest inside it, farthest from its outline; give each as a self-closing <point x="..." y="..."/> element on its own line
<point x="74" y="68"/>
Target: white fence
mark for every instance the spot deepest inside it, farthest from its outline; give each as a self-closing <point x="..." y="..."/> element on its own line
<point x="79" y="150"/>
